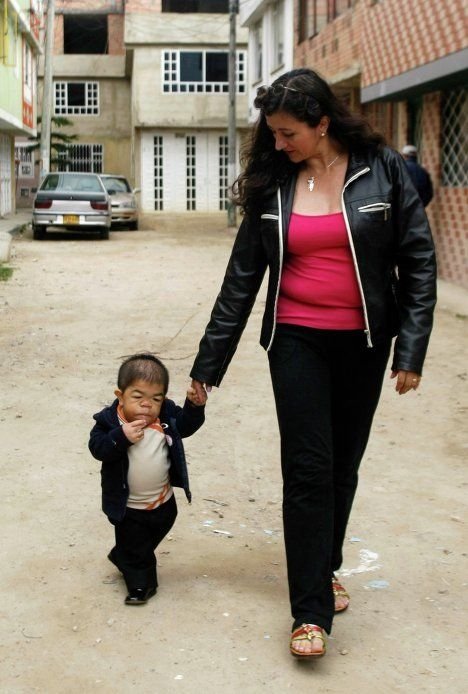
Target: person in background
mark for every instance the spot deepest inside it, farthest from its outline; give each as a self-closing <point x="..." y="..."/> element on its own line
<point x="332" y="213"/>
<point x="420" y="177"/>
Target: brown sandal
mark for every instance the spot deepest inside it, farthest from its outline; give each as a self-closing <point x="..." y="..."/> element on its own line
<point x="339" y="592"/>
<point x="308" y="632"/>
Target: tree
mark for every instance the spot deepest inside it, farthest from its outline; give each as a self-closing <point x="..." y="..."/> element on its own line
<point x="59" y="141"/>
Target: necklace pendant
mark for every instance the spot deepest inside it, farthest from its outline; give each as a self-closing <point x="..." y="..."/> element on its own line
<point x="311" y="183"/>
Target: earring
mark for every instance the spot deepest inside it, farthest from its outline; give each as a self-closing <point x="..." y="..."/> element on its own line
<point x="323" y="134"/>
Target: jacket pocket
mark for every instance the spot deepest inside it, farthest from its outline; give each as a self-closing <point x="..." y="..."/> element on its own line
<point x="379" y="208"/>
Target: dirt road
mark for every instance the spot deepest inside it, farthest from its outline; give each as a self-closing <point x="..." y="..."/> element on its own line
<point x="220" y="620"/>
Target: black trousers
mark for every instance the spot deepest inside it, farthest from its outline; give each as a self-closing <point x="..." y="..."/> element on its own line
<point x="136" y="538"/>
<point x="327" y="385"/>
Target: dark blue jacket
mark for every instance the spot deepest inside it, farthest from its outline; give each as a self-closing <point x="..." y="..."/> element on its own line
<point x="109" y="444"/>
<point x="421" y="180"/>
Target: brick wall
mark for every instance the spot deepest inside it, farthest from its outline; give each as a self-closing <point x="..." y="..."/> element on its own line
<point x="335" y="48"/>
<point x="377" y="41"/>
<point x="115" y="29"/>
<point x="398" y="36"/>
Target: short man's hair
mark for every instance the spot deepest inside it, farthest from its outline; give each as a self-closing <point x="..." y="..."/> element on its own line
<point x="142" y="367"/>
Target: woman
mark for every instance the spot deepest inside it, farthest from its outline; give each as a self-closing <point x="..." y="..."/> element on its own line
<point x="333" y="213"/>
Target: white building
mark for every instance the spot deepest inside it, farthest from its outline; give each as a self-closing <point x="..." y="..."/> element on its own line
<point x="179" y="67"/>
<point x="270" y="43"/>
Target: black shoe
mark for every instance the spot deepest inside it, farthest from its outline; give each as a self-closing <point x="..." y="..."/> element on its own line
<point x="138" y="596"/>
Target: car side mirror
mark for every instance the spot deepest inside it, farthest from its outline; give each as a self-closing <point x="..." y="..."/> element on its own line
<point x="137" y="190"/>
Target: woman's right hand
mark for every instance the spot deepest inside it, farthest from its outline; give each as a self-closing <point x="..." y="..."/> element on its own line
<point x="201" y="391"/>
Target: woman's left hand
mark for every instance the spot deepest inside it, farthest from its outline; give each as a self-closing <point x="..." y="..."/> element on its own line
<point x="405" y="381"/>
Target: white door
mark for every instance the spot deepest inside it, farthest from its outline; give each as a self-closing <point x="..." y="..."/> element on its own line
<point x="184" y="172"/>
<point x="5" y="175"/>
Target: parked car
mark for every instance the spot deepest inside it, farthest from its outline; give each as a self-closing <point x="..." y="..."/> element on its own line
<point x="71" y="201"/>
<point x="123" y="200"/>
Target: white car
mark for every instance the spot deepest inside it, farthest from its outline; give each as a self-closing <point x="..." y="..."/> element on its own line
<point x="123" y="201"/>
<point x="73" y="202"/>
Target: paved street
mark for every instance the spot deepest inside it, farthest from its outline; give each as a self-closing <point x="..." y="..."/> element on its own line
<point x="220" y="621"/>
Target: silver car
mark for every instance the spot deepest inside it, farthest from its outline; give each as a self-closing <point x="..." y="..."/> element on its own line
<point x="71" y="201"/>
<point x="123" y="200"/>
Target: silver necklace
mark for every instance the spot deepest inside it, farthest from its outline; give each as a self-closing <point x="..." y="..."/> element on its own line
<point x="311" y="180"/>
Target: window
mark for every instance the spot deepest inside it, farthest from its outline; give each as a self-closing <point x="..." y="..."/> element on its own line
<point x="85" y="33"/>
<point x="223" y="172"/>
<point x="28" y="68"/>
<point x="200" y="71"/>
<point x="82" y="158"/>
<point x="340" y="6"/>
<point x="210" y="6"/>
<point x="313" y="16"/>
<point x="455" y="139"/>
<point x="76" y="98"/>
<point x="24" y="160"/>
<point x="278" y="34"/>
<point x="257" y="46"/>
<point x="158" y="172"/>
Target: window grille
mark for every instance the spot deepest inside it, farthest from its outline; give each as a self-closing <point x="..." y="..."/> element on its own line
<point x="223" y="172"/>
<point x="23" y="154"/>
<point x="24" y="160"/>
<point x="76" y="98"/>
<point x="454" y="139"/>
<point x="191" y="174"/>
<point x="158" y="173"/>
<point x="201" y="72"/>
<point x="82" y="158"/>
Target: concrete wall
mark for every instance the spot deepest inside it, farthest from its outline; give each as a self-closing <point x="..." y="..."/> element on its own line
<point x="153" y="107"/>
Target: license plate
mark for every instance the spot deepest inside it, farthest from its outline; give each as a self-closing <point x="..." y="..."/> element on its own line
<point x="71" y="219"/>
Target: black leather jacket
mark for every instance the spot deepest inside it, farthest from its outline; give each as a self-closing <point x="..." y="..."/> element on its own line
<point x="393" y="254"/>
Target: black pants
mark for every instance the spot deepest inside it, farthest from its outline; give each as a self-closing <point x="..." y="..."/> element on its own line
<point x="327" y="385"/>
<point x="136" y="538"/>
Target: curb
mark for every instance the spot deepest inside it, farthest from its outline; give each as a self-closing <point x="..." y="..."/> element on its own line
<point x="5" y="246"/>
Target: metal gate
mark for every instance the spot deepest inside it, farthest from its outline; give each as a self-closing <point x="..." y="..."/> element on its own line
<point x="5" y="175"/>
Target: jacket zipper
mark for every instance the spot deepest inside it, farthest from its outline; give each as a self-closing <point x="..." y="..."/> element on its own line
<point x="280" y="265"/>
<point x="353" y="253"/>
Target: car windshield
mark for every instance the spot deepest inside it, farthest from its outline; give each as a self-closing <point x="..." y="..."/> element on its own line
<point x="116" y="185"/>
<point x="75" y="182"/>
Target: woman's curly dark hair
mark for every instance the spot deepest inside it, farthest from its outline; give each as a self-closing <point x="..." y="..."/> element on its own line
<point x="305" y="95"/>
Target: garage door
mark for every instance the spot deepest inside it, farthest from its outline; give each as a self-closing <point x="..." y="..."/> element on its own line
<point x="184" y="172"/>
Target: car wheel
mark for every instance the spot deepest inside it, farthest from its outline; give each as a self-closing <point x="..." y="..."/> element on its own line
<point x="38" y="233"/>
<point x="104" y="234"/>
<point x="133" y="226"/>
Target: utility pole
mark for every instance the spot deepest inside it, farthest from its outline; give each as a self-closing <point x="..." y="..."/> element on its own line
<point x="47" y="92"/>
<point x="233" y="9"/>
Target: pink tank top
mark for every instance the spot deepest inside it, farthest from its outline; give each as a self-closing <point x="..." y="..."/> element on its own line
<point x="318" y="287"/>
